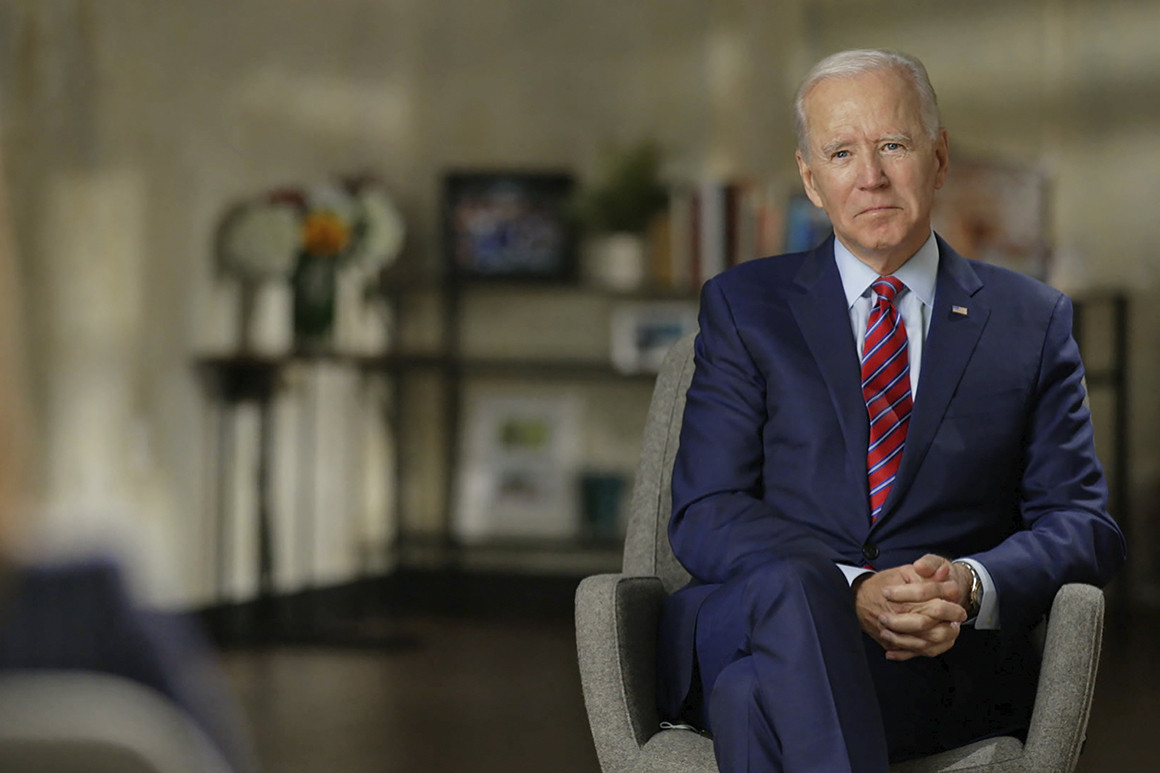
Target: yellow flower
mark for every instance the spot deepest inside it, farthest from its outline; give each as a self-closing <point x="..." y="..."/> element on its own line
<point x="325" y="233"/>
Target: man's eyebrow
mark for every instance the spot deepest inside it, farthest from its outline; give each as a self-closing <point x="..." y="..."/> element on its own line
<point x="831" y="147"/>
<point x="903" y="138"/>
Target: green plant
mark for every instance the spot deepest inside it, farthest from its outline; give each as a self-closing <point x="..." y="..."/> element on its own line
<point x="629" y="192"/>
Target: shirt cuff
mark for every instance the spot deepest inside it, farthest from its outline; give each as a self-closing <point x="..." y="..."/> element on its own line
<point x="988" y="617"/>
<point x="853" y="572"/>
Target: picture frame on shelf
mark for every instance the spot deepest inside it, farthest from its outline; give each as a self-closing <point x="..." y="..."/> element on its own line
<point x="518" y="476"/>
<point x="509" y="225"/>
<point x="643" y="333"/>
<point x="997" y="212"/>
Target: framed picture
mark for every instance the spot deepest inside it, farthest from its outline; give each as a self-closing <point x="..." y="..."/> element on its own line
<point x="642" y="333"/>
<point x="996" y="212"/>
<point x="509" y="225"/>
<point x="518" y="476"/>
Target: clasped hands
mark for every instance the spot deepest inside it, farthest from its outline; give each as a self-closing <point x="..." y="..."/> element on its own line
<point x="914" y="609"/>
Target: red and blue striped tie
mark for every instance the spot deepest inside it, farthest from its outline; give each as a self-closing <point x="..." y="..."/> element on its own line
<point x="886" y="387"/>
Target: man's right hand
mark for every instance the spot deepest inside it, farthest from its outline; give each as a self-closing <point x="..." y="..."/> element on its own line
<point x="911" y="610"/>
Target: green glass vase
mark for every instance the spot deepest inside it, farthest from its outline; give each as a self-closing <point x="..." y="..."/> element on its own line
<point x="315" y="283"/>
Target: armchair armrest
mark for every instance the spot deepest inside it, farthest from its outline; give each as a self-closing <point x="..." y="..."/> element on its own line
<point x="1071" y="654"/>
<point x="616" y="631"/>
<point x="79" y="720"/>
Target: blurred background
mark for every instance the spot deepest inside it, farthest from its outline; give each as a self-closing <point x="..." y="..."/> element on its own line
<point x="337" y="339"/>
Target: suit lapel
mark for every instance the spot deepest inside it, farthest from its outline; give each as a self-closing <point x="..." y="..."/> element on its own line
<point x="819" y="307"/>
<point x="957" y="321"/>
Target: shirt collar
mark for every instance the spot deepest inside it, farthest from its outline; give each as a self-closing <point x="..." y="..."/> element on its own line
<point x="918" y="274"/>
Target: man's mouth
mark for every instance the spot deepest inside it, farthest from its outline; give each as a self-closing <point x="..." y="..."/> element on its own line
<point x="878" y="209"/>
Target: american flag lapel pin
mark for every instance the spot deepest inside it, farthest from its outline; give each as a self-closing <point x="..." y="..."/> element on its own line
<point x="959" y="310"/>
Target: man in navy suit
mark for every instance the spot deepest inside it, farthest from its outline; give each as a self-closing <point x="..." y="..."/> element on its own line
<point x="886" y="467"/>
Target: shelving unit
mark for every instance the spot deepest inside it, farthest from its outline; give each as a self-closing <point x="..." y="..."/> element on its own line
<point x="456" y="362"/>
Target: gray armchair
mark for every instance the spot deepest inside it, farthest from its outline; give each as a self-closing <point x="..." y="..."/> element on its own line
<point x="616" y="622"/>
<point x="88" y="722"/>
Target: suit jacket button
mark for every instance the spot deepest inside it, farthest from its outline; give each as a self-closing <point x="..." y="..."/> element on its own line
<point x="870" y="551"/>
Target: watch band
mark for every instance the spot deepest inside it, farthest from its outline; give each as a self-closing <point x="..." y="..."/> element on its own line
<point x="975" y="595"/>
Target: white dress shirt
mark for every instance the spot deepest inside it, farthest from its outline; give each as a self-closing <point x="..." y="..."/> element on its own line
<point x="915" y="304"/>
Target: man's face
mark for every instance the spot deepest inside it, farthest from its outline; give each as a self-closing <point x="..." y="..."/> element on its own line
<point x="872" y="166"/>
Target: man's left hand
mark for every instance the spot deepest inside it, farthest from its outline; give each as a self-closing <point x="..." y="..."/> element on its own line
<point x="926" y="608"/>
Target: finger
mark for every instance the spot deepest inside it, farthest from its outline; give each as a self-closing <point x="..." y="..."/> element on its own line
<point x="916" y="624"/>
<point x="897" y="647"/>
<point x="929" y="564"/>
<point x="921" y="591"/>
<point x="940" y="609"/>
<point x="921" y="572"/>
<point x="902" y="655"/>
<point x="898" y="628"/>
<point x="920" y="622"/>
<point x="936" y="640"/>
<point x="907" y="644"/>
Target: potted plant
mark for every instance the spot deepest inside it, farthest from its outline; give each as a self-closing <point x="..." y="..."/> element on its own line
<point x="617" y="212"/>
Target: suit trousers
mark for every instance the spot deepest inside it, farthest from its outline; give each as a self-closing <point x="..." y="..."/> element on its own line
<point x="789" y="682"/>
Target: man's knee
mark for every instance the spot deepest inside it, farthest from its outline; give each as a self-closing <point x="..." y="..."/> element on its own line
<point x="743" y="735"/>
<point x="773" y="580"/>
<point x="733" y="695"/>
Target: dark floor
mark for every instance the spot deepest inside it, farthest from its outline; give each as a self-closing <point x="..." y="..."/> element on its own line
<point x="474" y="696"/>
<point x="501" y="693"/>
<point x="1127" y="701"/>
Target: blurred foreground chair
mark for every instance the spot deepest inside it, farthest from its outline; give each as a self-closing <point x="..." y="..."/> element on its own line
<point x="87" y="722"/>
<point x="616" y="623"/>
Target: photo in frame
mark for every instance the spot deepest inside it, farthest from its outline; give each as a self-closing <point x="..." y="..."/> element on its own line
<point x="643" y="333"/>
<point x="996" y="212"/>
<point x="519" y="471"/>
<point x="510" y="225"/>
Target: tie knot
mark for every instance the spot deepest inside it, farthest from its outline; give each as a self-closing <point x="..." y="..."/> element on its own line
<point x="887" y="288"/>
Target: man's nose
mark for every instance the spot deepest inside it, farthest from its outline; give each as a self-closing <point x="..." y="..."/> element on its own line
<point x="871" y="172"/>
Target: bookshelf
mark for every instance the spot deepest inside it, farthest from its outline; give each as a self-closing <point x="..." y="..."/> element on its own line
<point x="489" y="349"/>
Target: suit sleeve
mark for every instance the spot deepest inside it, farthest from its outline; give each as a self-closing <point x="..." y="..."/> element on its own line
<point x="80" y="615"/>
<point x="720" y="523"/>
<point x="169" y="652"/>
<point x="1068" y="535"/>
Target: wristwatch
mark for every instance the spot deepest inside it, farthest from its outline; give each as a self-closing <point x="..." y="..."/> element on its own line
<point x="975" y="595"/>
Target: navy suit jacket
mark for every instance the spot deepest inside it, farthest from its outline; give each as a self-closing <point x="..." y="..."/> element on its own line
<point x="999" y="463"/>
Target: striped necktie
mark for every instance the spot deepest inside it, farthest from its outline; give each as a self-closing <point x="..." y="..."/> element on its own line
<point x="886" y="388"/>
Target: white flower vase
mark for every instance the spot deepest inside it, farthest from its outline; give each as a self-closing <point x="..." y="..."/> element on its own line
<point x="270" y="332"/>
<point x="360" y="317"/>
<point x="617" y="261"/>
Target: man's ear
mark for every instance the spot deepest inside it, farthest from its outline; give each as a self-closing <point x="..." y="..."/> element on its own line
<point x="807" y="176"/>
<point x="942" y="152"/>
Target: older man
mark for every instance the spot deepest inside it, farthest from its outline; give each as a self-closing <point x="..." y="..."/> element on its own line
<point x="886" y="467"/>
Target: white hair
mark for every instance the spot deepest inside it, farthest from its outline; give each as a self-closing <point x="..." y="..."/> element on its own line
<point x="849" y="64"/>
